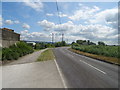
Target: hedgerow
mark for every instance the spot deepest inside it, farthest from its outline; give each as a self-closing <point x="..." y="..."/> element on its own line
<point x="15" y="51"/>
<point x="110" y="51"/>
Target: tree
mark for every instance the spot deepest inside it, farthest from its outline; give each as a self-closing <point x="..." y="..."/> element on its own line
<point x="72" y="43"/>
<point x="63" y="43"/>
<point x="101" y="43"/>
<point x="81" y="42"/>
<point x="42" y="45"/>
<point x="57" y="44"/>
<point x="37" y="46"/>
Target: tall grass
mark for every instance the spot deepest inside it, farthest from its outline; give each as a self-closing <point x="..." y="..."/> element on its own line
<point x="109" y="51"/>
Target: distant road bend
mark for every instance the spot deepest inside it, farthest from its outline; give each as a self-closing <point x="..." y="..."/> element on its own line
<point x="83" y="72"/>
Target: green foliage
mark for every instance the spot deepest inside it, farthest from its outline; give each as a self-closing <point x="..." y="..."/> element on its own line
<point x="59" y="44"/>
<point x="101" y="43"/>
<point x="85" y="42"/>
<point x="110" y="51"/>
<point x="16" y="51"/>
<point x="41" y="45"/>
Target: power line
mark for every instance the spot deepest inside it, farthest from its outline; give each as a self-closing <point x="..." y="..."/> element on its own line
<point x="58" y="12"/>
<point x="59" y="19"/>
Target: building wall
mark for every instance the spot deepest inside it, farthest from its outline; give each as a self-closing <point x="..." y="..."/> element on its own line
<point x="8" y="38"/>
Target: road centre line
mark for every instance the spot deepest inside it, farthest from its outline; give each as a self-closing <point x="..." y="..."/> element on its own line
<point x="94" y="67"/>
<point x="90" y="64"/>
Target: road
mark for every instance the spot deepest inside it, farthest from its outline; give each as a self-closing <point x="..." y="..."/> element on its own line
<point x="79" y="71"/>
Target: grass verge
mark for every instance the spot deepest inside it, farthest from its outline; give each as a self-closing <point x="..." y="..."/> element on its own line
<point x="46" y="55"/>
<point x="99" y="57"/>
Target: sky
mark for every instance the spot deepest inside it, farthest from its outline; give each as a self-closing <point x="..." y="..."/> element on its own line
<point x="36" y="21"/>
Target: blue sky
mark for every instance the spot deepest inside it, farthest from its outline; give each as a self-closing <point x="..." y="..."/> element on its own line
<point x="95" y="21"/>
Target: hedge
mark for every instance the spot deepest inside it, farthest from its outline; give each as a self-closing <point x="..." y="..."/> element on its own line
<point x="15" y="51"/>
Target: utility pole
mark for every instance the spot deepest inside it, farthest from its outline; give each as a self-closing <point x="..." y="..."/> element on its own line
<point x="62" y="37"/>
<point x="52" y="38"/>
<point x="67" y="41"/>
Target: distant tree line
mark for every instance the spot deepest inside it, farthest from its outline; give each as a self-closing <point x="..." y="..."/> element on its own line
<point x="87" y="42"/>
<point x="43" y="45"/>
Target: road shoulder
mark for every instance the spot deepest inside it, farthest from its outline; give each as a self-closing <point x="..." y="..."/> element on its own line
<point x="32" y="75"/>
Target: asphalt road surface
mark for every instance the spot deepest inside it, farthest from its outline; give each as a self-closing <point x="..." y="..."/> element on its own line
<point x="79" y="71"/>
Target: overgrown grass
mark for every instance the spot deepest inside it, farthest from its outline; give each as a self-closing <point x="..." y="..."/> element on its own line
<point x="106" y="53"/>
<point x="99" y="57"/>
<point x="46" y="55"/>
<point x="109" y="51"/>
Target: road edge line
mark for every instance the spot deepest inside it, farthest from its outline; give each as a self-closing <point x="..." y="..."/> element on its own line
<point x="59" y="71"/>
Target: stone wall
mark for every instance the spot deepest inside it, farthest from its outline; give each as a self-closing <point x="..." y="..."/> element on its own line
<point x="8" y="38"/>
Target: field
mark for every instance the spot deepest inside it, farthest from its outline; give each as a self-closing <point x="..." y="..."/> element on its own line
<point x="109" y="51"/>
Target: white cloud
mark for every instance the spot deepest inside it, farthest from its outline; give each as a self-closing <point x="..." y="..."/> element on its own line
<point x="35" y="5"/>
<point x="36" y="36"/>
<point x="26" y="26"/>
<point x="62" y="14"/>
<point x="24" y="32"/>
<point x="49" y="14"/>
<point x="16" y="22"/>
<point x="84" y="13"/>
<point x="48" y="25"/>
<point x="108" y="17"/>
<point x="9" y="22"/>
<point x="0" y="21"/>
<point x="96" y="32"/>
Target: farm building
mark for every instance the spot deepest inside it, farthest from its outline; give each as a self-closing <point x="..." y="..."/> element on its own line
<point x="8" y="37"/>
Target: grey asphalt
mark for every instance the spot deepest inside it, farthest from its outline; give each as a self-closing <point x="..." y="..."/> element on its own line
<point x="32" y="75"/>
<point x="83" y="72"/>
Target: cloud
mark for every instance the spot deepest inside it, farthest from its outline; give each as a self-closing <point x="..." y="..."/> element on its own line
<point x="49" y="14"/>
<point x="26" y="26"/>
<point x="0" y="21"/>
<point x="62" y="15"/>
<point x="84" y="13"/>
<point x="36" y="36"/>
<point x="16" y="22"/>
<point x="93" y="32"/>
<point x="46" y="24"/>
<point x="108" y="17"/>
<point x="9" y="22"/>
<point x="35" y="5"/>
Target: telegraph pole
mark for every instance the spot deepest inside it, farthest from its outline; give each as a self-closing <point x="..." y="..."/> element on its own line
<point x="67" y="41"/>
<point x="52" y="38"/>
<point x="62" y="37"/>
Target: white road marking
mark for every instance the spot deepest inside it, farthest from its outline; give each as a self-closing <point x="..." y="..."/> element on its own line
<point x="65" y="86"/>
<point x="89" y="64"/>
<point x="94" y="67"/>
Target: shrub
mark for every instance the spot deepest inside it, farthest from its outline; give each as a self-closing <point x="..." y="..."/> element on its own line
<point x="16" y="51"/>
<point x="110" y="51"/>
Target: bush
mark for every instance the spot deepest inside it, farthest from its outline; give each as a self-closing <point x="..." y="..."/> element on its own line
<point x="110" y="51"/>
<point x="16" y="51"/>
